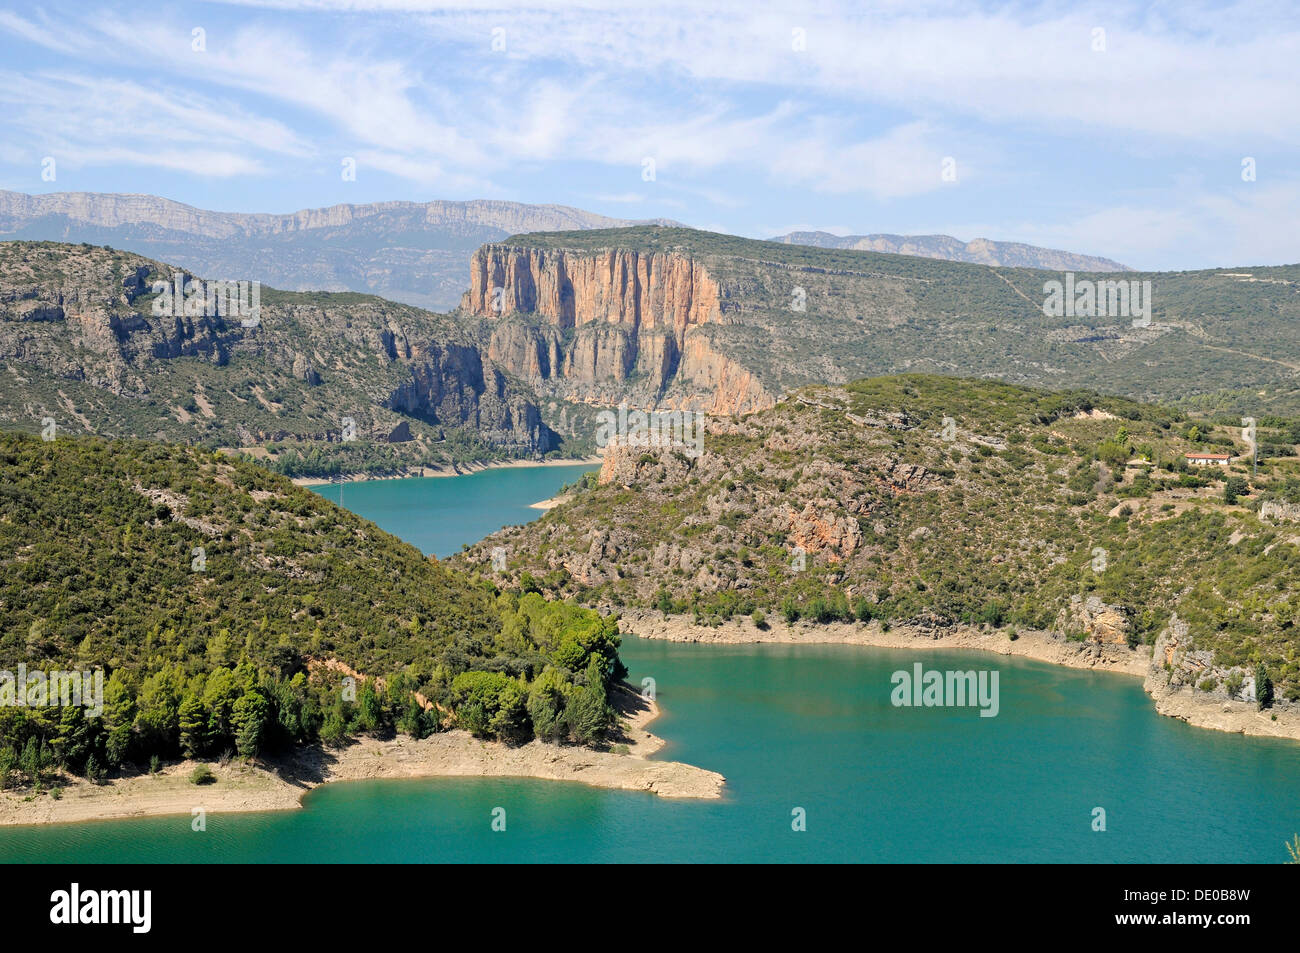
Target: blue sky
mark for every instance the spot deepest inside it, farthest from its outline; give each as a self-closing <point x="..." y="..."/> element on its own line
<point x="759" y="118"/>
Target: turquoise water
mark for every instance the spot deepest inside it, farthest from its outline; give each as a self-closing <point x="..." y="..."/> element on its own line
<point x="807" y="727"/>
<point x="441" y="514"/>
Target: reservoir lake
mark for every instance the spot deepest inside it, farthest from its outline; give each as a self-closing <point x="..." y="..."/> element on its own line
<point x="797" y="730"/>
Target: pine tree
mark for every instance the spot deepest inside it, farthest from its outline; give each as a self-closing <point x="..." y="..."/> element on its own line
<point x="94" y="770"/>
<point x="71" y="745"/>
<point x="8" y="760"/>
<point x="249" y="719"/>
<point x="333" y="730"/>
<point x="1263" y="688"/>
<point x="34" y="760"/>
<point x="546" y="705"/>
<point x="370" y="713"/>
<point x="590" y="713"/>
<point x="193" y="725"/>
<point x="119" y="717"/>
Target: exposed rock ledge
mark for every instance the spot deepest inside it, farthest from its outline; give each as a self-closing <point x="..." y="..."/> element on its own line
<point x="241" y="787"/>
<point x="1200" y="711"/>
<point x="1185" y="703"/>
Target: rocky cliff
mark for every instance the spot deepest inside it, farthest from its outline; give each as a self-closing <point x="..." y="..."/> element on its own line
<point x="412" y="252"/>
<point x="713" y="321"/>
<point x="85" y="342"/>
<point x="610" y="326"/>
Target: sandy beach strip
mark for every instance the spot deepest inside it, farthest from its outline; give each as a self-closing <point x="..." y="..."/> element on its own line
<point x="281" y="784"/>
<point x="550" y="504"/>
<point x="1031" y="644"/>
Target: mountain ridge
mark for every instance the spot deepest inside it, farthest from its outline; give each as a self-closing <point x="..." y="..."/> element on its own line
<point x="356" y="382"/>
<point x="980" y="251"/>
<point x="111" y="209"/>
<point x="410" y="252"/>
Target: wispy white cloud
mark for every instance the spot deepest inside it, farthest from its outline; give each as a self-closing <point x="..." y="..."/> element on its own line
<point x="1252" y="224"/>
<point x="82" y="121"/>
<point x="406" y="121"/>
<point x="738" y="103"/>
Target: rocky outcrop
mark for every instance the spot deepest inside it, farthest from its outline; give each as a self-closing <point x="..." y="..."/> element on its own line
<point x="1278" y="510"/>
<point x="607" y="326"/>
<point x="627" y="465"/>
<point x="819" y="529"/>
<point x="1185" y="683"/>
<point x="453" y="385"/>
<point x="1101" y="622"/>
<point x="1177" y="666"/>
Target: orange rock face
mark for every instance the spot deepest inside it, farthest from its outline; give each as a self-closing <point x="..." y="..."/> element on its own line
<point x="610" y="326"/>
<point x="820" y="530"/>
<point x="654" y="291"/>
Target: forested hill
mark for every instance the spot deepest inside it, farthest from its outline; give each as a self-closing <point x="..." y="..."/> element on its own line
<point x="934" y="501"/>
<point x="214" y="594"/>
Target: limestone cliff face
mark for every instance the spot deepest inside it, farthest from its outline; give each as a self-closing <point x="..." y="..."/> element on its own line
<point x="454" y="384"/>
<point x="717" y="384"/>
<point x="86" y="316"/>
<point x="609" y="326"/>
<point x="652" y="291"/>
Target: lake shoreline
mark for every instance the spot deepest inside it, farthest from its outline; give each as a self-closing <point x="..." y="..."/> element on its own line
<point x="550" y="504"/>
<point x="454" y="470"/>
<point x="1215" y="714"/>
<point x="281" y="784"/>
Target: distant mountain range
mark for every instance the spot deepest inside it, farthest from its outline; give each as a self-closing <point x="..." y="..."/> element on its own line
<point x="411" y="252"/>
<point x="981" y="251"/>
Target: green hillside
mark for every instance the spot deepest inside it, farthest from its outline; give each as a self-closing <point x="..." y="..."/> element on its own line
<point x="935" y="500"/>
<point x="240" y="646"/>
